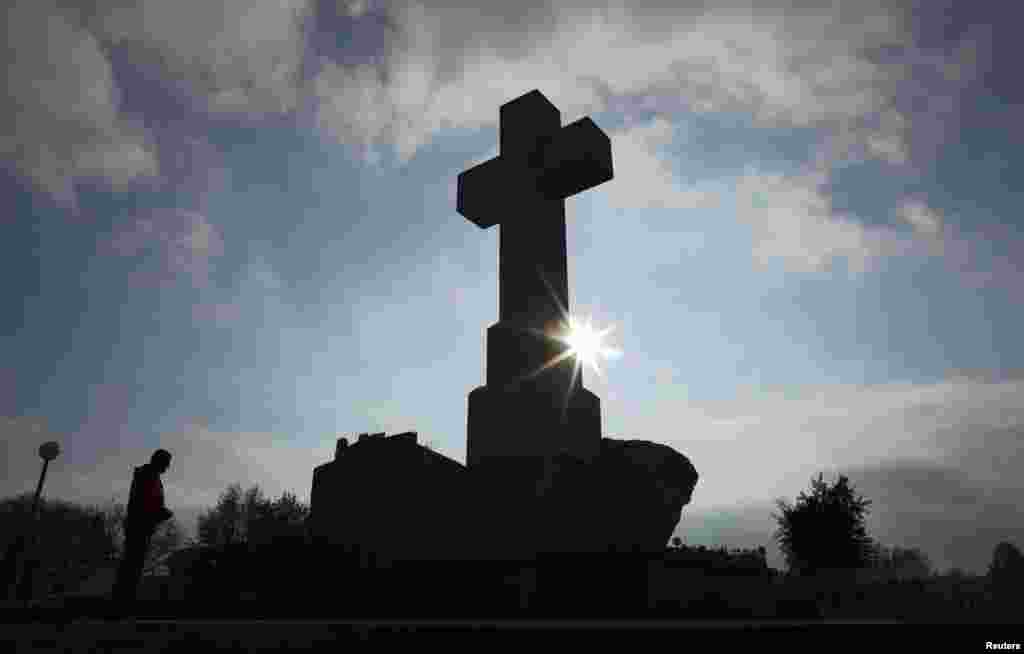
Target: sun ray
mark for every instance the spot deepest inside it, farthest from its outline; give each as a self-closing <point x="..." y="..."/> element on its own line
<point x="586" y="345"/>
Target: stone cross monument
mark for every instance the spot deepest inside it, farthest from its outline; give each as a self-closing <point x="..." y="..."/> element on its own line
<point x="533" y="404"/>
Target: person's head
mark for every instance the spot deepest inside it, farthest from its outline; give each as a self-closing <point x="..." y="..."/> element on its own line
<point x="161" y="460"/>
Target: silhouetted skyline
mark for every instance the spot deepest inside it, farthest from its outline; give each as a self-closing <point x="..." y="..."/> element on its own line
<point x="237" y="240"/>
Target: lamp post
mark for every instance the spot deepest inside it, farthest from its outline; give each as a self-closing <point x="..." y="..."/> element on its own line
<point x="48" y="451"/>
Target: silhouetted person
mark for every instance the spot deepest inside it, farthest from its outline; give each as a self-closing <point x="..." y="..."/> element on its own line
<point x="146" y="511"/>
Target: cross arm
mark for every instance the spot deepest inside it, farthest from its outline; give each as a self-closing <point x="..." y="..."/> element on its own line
<point x="578" y="157"/>
<point x="480" y="190"/>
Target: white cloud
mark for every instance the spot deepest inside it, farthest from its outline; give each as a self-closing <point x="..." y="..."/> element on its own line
<point x="787" y="436"/>
<point x="938" y="460"/>
<point x="812" y="67"/>
<point x="453" y="66"/>
<point x="921" y="217"/>
<point x="60" y="121"/>
<point x="792" y="220"/>
<point x="354" y="8"/>
<point x="205" y="463"/>
<point x="240" y="55"/>
<point x="643" y="177"/>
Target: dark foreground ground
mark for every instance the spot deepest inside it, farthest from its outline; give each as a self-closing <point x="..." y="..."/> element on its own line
<point x="41" y="633"/>
<point x="616" y="603"/>
<point x="98" y="625"/>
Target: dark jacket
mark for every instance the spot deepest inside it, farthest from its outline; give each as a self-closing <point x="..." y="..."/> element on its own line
<point x="146" y="499"/>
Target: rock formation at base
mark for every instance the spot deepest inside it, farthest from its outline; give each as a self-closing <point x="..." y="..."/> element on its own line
<point x="393" y="499"/>
<point x="646" y="485"/>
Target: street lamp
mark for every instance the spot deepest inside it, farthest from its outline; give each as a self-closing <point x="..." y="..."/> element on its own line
<point x="48" y="451"/>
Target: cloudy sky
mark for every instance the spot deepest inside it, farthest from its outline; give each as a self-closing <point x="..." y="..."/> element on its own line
<point x="230" y="231"/>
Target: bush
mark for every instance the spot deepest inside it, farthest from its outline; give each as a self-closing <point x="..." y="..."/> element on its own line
<point x="1006" y="571"/>
<point x="825" y="529"/>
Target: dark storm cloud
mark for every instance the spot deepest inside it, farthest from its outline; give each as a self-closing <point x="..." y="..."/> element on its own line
<point x="956" y="519"/>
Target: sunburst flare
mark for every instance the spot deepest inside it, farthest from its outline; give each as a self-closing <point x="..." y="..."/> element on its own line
<point x="586" y="343"/>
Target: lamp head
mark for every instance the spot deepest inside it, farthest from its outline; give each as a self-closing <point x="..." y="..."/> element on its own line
<point x="49" y="450"/>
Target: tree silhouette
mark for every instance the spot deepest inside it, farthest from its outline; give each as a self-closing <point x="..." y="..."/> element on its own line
<point x="70" y="540"/>
<point x="223" y="524"/>
<point x="902" y="562"/>
<point x="825" y="529"/>
<point x="167" y="538"/>
<point x="1006" y="571"/>
<point x="957" y="574"/>
<point x="277" y="521"/>
<point x="236" y="528"/>
<point x="113" y="524"/>
<point x="250" y="517"/>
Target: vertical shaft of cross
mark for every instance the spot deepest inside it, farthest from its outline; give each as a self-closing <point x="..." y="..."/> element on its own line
<point x="533" y="301"/>
<point x="533" y="286"/>
<point x="532" y="253"/>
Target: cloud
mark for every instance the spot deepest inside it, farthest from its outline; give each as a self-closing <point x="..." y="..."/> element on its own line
<point x="827" y="427"/>
<point x="938" y="460"/>
<point x="62" y="119"/>
<point x="354" y="8"/>
<point x="921" y="217"/>
<point x="792" y="220"/>
<point x="59" y="118"/>
<point x="643" y="177"/>
<point x="20" y="438"/>
<point x="981" y="256"/>
<point x="172" y="242"/>
<point x="209" y="460"/>
<point x="451" y="66"/>
<point x="238" y="55"/>
<point x="205" y="462"/>
<point x="190" y="165"/>
<point x="854" y="72"/>
<point x="952" y="517"/>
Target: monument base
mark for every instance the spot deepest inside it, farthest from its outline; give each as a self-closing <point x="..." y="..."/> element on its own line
<point x="526" y="446"/>
<point x="524" y="422"/>
<point x="629" y="498"/>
